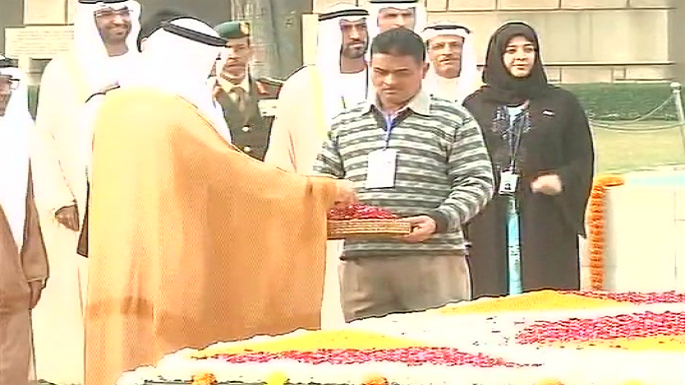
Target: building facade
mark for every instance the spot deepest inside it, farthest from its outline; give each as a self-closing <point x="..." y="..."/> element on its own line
<point x="582" y="41"/>
<point x="35" y="31"/>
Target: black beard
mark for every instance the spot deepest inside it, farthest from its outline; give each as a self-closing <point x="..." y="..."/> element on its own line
<point x="353" y="53"/>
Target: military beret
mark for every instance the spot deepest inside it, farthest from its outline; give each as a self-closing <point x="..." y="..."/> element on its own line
<point x="233" y="29"/>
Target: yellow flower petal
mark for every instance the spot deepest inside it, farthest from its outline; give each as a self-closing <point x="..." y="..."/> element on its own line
<point x="277" y="378"/>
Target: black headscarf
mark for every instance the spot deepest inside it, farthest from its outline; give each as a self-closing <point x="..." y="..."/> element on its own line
<point x="500" y="85"/>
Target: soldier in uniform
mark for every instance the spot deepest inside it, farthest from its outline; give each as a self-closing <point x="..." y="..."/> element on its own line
<point x="248" y="103"/>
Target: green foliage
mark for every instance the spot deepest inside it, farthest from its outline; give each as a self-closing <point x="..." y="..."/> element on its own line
<point x="602" y="101"/>
<point x="33" y="99"/>
<point x="628" y="101"/>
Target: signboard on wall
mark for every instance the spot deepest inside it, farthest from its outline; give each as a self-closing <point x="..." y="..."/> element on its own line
<point x="43" y="42"/>
<point x="45" y="12"/>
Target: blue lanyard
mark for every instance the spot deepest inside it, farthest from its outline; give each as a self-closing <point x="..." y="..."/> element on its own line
<point x="515" y="135"/>
<point x="389" y="125"/>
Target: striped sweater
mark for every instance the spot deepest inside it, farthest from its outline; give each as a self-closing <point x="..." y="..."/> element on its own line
<point x="443" y="170"/>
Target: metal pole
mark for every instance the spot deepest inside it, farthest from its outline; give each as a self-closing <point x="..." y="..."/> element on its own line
<point x="677" y="95"/>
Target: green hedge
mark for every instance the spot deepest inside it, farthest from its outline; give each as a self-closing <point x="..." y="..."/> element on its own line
<point x="624" y="101"/>
<point x="33" y="99"/>
<point x="601" y="101"/>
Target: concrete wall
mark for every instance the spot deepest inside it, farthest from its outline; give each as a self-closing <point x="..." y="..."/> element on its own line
<point x="582" y="40"/>
<point x="11" y="15"/>
<point x="645" y="228"/>
<point x="677" y="24"/>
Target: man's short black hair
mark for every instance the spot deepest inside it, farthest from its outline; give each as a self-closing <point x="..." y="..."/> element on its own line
<point x="399" y="42"/>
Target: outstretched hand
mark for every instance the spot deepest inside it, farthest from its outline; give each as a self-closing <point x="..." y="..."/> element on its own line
<point x="346" y="194"/>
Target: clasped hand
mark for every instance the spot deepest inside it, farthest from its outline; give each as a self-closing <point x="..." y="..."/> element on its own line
<point x="68" y="217"/>
<point x="547" y="184"/>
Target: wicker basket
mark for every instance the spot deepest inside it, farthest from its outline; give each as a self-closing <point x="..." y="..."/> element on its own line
<point x="367" y="228"/>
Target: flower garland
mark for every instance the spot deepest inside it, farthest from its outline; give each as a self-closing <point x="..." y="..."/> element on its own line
<point x="204" y="379"/>
<point x="277" y="378"/>
<point x="374" y="379"/>
<point x="596" y="224"/>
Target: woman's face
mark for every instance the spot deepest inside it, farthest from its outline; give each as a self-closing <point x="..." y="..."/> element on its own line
<point x="519" y="56"/>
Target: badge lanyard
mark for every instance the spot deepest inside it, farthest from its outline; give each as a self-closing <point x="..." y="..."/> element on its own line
<point x="366" y="88"/>
<point x="516" y="133"/>
<point x="515" y="284"/>
<point x="382" y="163"/>
<point x="389" y="125"/>
<point x="513" y="246"/>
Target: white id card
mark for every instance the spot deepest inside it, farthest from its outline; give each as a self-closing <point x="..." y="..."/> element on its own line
<point x="381" y="169"/>
<point x="508" y="183"/>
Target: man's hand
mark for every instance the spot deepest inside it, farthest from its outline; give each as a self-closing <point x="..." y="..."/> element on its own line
<point x="36" y="288"/>
<point x="345" y="195"/>
<point x="422" y="227"/>
<point x="547" y="184"/>
<point x="68" y="217"/>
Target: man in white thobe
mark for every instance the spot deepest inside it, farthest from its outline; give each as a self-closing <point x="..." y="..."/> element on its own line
<point x="388" y="14"/>
<point x="105" y="34"/>
<point x="453" y="72"/>
<point x="308" y="102"/>
<point x="23" y="260"/>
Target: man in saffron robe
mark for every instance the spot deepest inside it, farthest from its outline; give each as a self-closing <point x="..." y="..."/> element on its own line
<point x="191" y="241"/>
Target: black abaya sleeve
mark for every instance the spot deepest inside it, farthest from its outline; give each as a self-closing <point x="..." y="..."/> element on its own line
<point x="577" y="173"/>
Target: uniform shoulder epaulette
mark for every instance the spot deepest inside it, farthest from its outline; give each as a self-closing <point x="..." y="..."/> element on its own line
<point x="270" y="81"/>
<point x="268" y="86"/>
<point x="104" y="91"/>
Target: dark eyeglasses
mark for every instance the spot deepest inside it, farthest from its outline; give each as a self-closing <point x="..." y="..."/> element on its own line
<point x="110" y="12"/>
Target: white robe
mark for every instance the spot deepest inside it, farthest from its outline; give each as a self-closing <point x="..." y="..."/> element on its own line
<point x="297" y="136"/>
<point x="60" y="180"/>
<point x="299" y="126"/>
<point x="451" y="89"/>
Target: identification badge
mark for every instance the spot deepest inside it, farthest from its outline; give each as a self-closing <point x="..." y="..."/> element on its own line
<point x="267" y="107"/>
<point x="381" y="169"/>
<point x="508" y="183"/>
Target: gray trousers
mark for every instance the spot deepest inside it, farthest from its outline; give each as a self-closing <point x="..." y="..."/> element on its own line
<point x="378" y="286"/>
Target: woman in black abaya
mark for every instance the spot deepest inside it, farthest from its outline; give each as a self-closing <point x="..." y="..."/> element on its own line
<point x="545" y="131"/>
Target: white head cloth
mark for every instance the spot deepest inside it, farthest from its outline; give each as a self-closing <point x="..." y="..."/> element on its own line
<point x="173" y="64"/>
<point x="329" y="47"/>
<point x="181" y="66"/>
<point x="15" y="131"/>
<point x="468" y="77"/>
<point x="375" y="7"/>
<point x="90" y="49"/>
